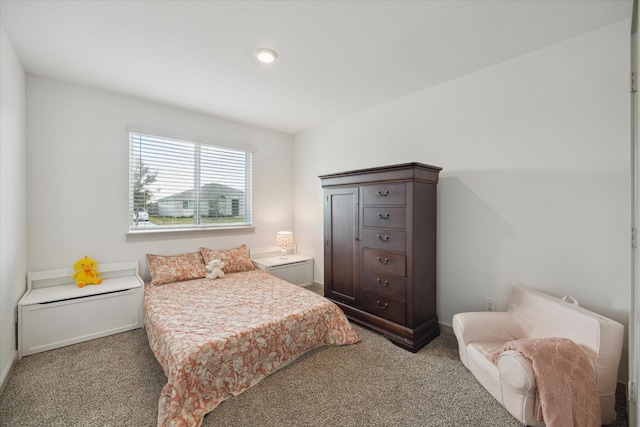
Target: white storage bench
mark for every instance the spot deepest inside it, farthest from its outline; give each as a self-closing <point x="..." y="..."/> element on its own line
<point x="54" y="312"/>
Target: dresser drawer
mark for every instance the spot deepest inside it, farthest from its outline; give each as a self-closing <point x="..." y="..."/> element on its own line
<point x="384" y="307"/>
<point x="384" y="194"/>
<point x="384" y="284"/>
<point x="384" y="217"/>
<point x="384" y="262"/>
<point x="377" y="238"/>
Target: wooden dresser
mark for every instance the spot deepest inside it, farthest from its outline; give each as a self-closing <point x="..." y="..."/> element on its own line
<point x="380" y="249"/>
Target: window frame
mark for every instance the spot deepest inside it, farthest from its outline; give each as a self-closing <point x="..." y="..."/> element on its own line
<point x="138" y="227"/>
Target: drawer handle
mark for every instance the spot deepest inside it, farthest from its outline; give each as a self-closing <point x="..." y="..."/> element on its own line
<point x="383" y="239"/>
<point x="384" y="193"/>
<point x="382" y="306"/>
<point x="383" y="284"/>
<point x="384" y="262"/>
<point x="383" y="215"/>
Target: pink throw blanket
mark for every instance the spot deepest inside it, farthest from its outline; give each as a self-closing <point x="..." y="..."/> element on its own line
<point x="566" y="387"/>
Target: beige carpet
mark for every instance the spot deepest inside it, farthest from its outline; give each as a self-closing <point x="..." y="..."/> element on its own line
<point x="116" y="381"/>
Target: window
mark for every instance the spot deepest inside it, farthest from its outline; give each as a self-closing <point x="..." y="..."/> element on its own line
<point x="176" y="184"/>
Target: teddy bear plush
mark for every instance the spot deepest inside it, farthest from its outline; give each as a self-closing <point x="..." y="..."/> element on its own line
<point x="214" y="268"/>
<point x="86" y="273"/>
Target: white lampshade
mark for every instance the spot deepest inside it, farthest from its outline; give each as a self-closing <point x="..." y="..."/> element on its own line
<point x="284" y="239"/>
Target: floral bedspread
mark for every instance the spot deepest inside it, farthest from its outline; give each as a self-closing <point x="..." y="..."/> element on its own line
<point x="217" y="338"/>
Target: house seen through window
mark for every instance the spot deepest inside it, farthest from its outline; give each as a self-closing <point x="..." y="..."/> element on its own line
<point x="183" y="184"/>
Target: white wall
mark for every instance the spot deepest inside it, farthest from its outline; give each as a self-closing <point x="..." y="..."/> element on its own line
<point x="535" y="187"/>
<point x="13" y="200"/>
<point x="78" y="176"/>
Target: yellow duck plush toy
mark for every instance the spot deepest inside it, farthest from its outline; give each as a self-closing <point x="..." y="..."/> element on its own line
<point x="85" y="272"/>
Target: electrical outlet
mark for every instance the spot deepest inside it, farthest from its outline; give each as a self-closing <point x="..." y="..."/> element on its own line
<point x="489" y="304"/>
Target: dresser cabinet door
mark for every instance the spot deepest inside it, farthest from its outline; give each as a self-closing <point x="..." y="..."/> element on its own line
<point x="341" y="230"/>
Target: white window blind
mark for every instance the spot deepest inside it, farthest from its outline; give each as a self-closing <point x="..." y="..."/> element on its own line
<point x="183" y="184"/>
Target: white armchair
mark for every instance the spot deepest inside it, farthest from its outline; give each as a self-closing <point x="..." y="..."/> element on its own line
<point x="533" y="314"/>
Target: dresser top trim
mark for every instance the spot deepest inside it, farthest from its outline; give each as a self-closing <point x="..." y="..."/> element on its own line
<point x="400" y="172"/>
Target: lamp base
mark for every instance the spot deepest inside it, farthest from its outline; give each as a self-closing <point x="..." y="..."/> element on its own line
<point x="283" y="254"/>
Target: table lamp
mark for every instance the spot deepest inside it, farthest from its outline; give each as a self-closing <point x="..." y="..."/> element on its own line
<point x="284" y="239"/>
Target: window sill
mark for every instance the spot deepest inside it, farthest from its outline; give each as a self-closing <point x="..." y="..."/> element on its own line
<point x="178" y="232"/>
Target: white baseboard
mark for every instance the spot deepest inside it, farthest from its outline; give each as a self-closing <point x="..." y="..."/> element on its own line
<point x="446" y="329"/>
<point x="7" y="372"/>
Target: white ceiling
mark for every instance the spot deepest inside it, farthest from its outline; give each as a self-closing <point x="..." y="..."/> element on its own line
<point x="335" y="57"/>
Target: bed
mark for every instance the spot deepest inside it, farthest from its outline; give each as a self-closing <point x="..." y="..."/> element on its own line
<point x="217" y="338"/>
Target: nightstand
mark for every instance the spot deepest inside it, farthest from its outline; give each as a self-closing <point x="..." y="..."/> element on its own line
<point x="296" y="269"/>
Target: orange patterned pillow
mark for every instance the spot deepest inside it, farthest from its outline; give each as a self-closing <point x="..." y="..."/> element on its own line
<point x="236" y="259"/>
<point x="174" y="268"/>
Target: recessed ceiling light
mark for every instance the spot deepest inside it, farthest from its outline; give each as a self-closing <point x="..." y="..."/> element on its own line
<point x="266" y="55"/>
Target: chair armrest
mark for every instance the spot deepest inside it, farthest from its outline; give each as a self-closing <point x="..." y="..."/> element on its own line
<point x="516" y="372"/>
<point x="485" y="326"/>
<point x="482" y="326"/>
